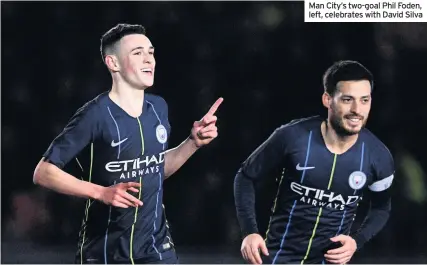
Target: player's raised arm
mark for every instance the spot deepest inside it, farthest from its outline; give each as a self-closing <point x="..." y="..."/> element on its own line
<point x="202" y="133"/>
<point x="268" y="156"/>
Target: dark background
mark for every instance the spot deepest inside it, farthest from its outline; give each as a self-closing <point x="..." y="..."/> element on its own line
<point x="266" y="63"/>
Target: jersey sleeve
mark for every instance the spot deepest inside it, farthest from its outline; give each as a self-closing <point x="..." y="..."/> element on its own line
<point x="380" y="199"/>
<point x="383" y="166"/>
<point x="270" y="155"/>
<point x="165" y="119"/>
<point x="161" y="109"/>
<point x="76" y="135"/>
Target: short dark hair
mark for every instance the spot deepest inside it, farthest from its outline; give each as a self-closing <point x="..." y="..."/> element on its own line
<point x="115" y="34"/>
<point x="345" y="71"/>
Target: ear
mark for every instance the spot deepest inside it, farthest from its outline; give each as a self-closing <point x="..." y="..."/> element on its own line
<point x="326" y="100"/>
<point x="112" y="63"/>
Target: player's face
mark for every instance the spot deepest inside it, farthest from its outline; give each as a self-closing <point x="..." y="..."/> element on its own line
<point x="137" y="63"/>
<point x="349" y="107"/>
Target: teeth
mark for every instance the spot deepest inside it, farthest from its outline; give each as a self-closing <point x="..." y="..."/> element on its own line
<point x="146" y="70"/>
<point x="354" y="120"/>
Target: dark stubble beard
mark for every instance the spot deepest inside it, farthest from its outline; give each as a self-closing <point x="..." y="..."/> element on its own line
<point x="337" y="123"/>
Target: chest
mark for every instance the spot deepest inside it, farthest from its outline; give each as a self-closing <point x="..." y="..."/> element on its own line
<point x="318" y="169"/>
<point x="131" y="149"/>
<point x="126" y="137"/>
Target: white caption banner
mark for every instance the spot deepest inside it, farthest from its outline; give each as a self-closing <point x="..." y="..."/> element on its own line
<point x="365" y="11"/>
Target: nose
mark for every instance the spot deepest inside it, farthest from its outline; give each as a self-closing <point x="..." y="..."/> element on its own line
<point x="355" y="107"/>
<point x="147" y="59"/>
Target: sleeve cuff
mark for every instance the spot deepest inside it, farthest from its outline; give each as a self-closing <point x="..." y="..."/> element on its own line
<point x="249" y="230"/>
<point x="360" y="241"/>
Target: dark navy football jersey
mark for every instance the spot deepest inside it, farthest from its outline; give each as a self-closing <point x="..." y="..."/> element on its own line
<point x="319" y="191"/>
<point x="122" y="149"/>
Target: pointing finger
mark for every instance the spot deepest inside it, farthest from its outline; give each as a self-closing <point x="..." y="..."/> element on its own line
<point x="215" y="106"/>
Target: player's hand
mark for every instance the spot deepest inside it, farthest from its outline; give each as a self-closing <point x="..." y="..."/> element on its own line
<point x="343" y="254"/>
<point x="251" y="246"/>
<point x="118" y="196"/>
<point x="205" y="130"/>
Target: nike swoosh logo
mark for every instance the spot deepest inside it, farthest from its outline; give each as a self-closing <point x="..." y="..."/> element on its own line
<point x="303" y="168"/>
<point x="113" y="144"/>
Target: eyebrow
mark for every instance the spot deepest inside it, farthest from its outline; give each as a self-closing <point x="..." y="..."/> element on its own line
<point x="140" y="47"/>
<point x="349" y="96"/>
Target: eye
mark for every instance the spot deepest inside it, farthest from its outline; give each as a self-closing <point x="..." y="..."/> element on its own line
<point x="346" y="100"/>
<point x="138" y="53"/>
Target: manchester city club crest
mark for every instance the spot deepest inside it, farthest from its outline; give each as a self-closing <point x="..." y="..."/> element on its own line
<point x="161" y="134"/>
<point x="357" y="180"/>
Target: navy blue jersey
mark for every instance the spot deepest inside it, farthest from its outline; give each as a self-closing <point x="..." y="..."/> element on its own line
<point x="319" y="191"/>
<point x="122" y="149"/>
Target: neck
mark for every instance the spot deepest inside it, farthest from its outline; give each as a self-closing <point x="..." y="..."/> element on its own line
<point x="128" y="98"/>
<point x="336" y="143"/>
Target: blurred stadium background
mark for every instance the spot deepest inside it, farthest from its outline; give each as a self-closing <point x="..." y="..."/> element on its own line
<point x="266" y="63"/>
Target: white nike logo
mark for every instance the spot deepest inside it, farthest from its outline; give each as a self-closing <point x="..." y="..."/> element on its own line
<point x="303" y="168"/>
<point x="113" y="144"/>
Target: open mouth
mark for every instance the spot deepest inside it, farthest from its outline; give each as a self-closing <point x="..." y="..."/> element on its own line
<point x="147" y="71"/>
<point x="354" y="121"/>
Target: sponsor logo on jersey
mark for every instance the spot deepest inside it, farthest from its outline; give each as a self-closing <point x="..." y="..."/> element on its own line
<point x="323" y="198"/>
<point x="137" y="167"/>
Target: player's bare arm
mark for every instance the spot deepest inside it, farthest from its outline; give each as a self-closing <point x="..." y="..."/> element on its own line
<point x="50" y="176"/>
<point x="202" y="133"/>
